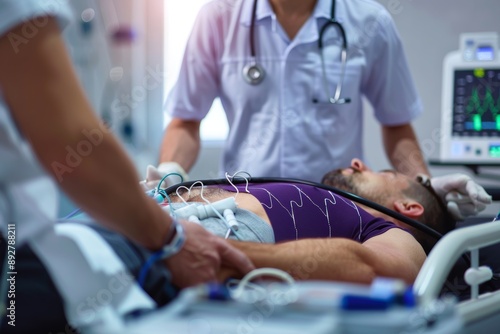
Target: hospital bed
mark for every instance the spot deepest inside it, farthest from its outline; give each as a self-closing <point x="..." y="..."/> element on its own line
<point x="317" y="307"/>
<point x="482" y="311"/>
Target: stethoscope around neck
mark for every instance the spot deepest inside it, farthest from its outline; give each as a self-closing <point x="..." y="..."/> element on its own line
<point x="254" y="73"/>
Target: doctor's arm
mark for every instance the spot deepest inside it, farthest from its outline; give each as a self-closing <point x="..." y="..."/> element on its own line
<point x="50" y="109"/>
<point x="181" y="142"/>
<point x="394" y="253"/>
<point x="178" y="153"/>
<point x="403" y="151"/>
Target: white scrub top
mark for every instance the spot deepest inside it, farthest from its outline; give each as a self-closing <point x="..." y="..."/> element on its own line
<point x="284" y="126"/>
<point x="28" y="197"/>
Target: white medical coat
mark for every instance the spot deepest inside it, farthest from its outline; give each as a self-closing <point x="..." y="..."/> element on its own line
<point x="284" y="126"/>
<point x="80" y="263"/>
<point x="28" y="197"/>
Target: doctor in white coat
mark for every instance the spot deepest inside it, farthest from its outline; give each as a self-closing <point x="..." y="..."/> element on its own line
<point x="291" y="75"/>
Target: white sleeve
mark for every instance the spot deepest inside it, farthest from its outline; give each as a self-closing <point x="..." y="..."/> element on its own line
<point x="14" y="12"/>
<point x="388" y="84"/>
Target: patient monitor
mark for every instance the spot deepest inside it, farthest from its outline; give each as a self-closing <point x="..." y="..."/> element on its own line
<point x="470" y="123"/>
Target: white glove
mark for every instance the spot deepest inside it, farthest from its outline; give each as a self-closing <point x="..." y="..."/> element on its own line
<point x="463" y="196"/>
<point x="155" y="174"/>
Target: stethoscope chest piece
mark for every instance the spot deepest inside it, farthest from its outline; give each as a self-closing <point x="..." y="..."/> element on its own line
<point x="253" y="73"/>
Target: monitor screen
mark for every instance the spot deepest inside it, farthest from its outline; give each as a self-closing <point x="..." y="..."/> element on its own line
<point x="485" y="53"/>
<point x="476" y="103"/>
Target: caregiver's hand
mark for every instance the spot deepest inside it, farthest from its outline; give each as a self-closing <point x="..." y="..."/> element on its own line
<point x="463" y="196"/>
<point x="154" y="175"/>
<point x="202" y="256"/>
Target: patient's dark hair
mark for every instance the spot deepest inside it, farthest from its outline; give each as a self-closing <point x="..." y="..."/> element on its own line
<point x="435" y="215"/>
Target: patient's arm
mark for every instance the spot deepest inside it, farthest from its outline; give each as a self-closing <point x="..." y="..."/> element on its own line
<point x="394" y="253"/>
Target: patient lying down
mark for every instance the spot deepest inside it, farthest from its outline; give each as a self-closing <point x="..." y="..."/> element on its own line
<point x="313" y="233"/>
<point x="302" y="229"/>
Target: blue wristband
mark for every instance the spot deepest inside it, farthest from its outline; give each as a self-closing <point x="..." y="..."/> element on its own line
<point x="175" y="244"/>
<point x="172" y="248"/>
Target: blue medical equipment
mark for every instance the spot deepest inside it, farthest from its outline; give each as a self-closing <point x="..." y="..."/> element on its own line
<point x="254" y="73"/>
<point x="315" y="307"/>
<point x="470" y="121"/>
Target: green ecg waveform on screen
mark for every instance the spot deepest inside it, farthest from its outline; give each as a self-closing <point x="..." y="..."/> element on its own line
<point x="476" y="103"/>
<point x="478" y="106"/>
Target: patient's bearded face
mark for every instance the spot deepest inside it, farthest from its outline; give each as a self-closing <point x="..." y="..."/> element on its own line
<point x="381" y="187"/>
<point x="354" y="182"/>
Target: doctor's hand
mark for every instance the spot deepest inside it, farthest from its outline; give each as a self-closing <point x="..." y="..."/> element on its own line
<point x="155" y="174"/>
<point x="202" y="256"/>
<point x="463" y="196"/>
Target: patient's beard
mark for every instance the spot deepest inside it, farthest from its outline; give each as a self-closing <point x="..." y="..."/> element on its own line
<point x="353" y="183"/>
<point x="343" y="182"/>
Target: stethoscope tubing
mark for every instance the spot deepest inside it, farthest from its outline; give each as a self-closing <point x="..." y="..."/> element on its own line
<point x="254" y="73"/>
<point x="411" y="222"/>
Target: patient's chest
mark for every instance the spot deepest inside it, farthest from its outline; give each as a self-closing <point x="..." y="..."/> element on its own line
<point x="299" y="211"/>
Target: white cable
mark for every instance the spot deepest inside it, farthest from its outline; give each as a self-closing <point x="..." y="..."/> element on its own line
<point x="278" y="273"/>
<point x="229" y="179"/>
<point x="229" y="228"/>
<point x="189" y="191"/>
<point x="195" y="211"/>
<point x="228" y="203"/>
<point x="249" y="293"/>
<point x="244" y="288"/>
<point x="185" y="212"/>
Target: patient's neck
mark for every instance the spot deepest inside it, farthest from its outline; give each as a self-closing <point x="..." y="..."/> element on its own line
<point x="379" y="214"/>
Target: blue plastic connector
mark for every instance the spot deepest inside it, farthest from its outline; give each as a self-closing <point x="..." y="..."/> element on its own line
<point x="359" y="303"/>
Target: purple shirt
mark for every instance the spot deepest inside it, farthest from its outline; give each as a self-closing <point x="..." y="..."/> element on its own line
<point x="299" y="211"/>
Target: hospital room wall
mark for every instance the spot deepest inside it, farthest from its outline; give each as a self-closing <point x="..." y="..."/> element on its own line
<point x="118" y="57"/>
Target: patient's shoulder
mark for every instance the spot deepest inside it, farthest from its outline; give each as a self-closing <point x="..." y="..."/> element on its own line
<point x="399" y="248"/>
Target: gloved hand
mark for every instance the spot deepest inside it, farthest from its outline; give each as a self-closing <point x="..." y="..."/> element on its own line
<point x="155" y="174"/>
<point x="463" y="196"/>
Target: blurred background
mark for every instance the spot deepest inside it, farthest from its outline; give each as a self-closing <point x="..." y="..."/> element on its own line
<point x="128" y="52"/>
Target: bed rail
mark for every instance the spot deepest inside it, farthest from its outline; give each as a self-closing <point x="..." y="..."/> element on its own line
<point x="446" y="252"/>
